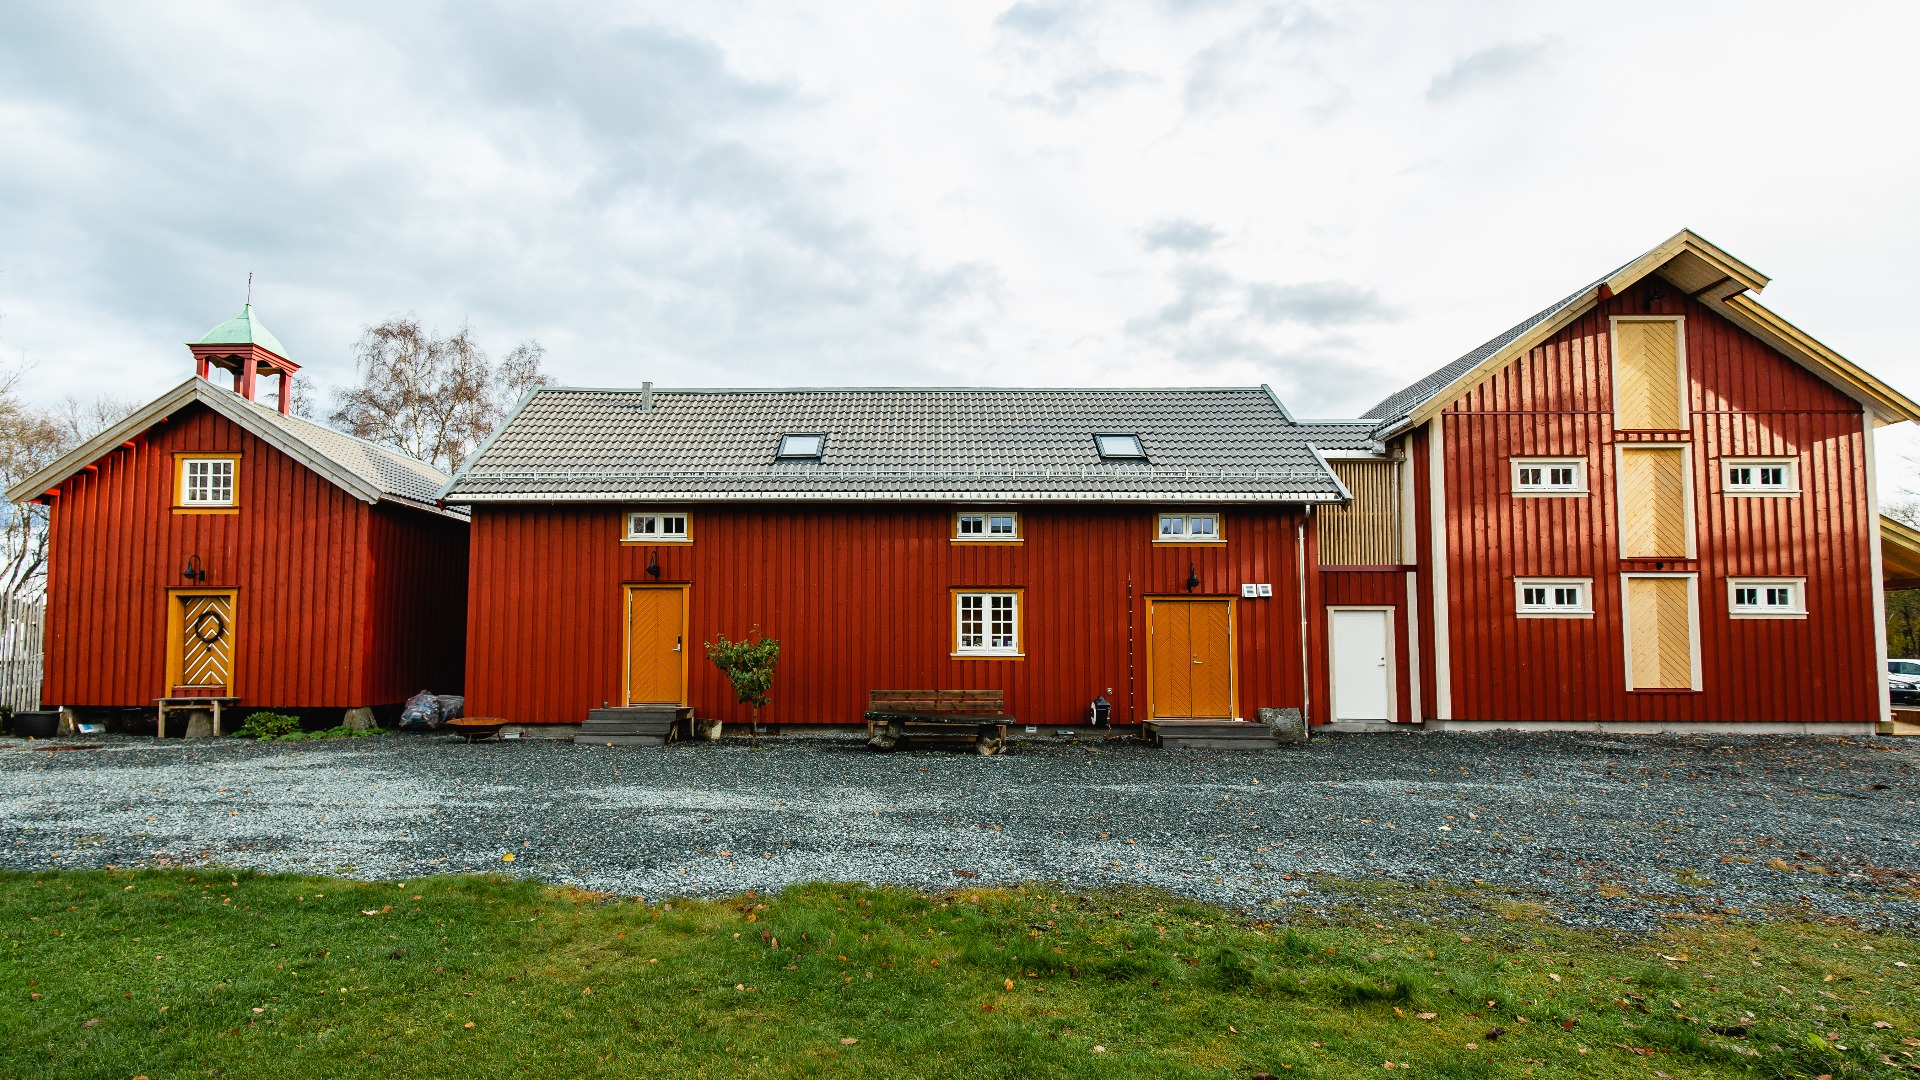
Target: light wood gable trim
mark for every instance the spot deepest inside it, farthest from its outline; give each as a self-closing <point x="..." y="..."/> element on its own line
<point x="1887" y="404"/>
<point x="1656" y="651"/>
<point x="1684" y="259"/>
<point x="1899" y="554"/>
<point x="1647" y="486"/>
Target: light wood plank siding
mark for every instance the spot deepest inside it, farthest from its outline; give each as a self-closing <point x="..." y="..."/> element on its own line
<point x="1653" y="503"/>
<point x="1365" y="532"/>
<point x="1660" y="633"/>
<point x="1647" y="374"/>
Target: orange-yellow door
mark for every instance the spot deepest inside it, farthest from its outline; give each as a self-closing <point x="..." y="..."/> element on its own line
<point x="200" y="644"/>
<point x="1190" y="656"/>
<point x="656" y="646"/>
<point x="1169" y="658"/>
<point x="1211" y="642"/>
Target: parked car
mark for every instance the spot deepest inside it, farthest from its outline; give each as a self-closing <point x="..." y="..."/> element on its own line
<point x="1903" y="680"/>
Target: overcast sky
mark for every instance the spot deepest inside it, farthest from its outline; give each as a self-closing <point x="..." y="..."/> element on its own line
<point x="1329" y="198"/>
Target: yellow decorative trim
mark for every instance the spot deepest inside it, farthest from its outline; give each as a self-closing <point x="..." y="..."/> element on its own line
<point x="1019" y="592"/>
<point x="180" y="504"/>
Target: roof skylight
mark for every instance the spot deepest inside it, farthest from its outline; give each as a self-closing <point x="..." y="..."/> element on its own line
<point x="801" y="447"/>
<point x="1120" y="447"/>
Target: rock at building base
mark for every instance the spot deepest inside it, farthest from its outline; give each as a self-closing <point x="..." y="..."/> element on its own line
<point x="704" y="728"/>
<point x="359" y="720"/>
<point x="1287" y="725"/>
<point x="200" y="724"/>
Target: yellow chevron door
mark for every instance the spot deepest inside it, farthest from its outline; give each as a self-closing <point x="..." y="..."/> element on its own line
<point x="656" y="645"/>
<point x="1660" y="633"/>
<point x="200" y="643"/>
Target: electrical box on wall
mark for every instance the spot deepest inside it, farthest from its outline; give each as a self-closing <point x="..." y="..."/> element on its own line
<point x="1266" y="590"/>
<point x="1251" y="591"/>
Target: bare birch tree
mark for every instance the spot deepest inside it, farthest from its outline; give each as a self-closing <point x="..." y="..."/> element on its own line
<point x="432" y="397"/>
<point x="30" y="439"/>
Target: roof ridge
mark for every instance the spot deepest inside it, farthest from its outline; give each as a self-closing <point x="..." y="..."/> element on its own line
<point x="657" y="391"/>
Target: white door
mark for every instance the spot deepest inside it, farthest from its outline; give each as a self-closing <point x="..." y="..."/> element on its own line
<point x="1362" y="663"/>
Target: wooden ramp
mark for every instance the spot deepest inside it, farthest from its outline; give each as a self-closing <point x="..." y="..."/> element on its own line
<point x="1211" y="735"/>
<point x="641" y="725"/>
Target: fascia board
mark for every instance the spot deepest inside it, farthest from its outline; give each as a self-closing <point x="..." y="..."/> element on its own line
<point x="93" y="449"/>
<point x="1846" y="376"/>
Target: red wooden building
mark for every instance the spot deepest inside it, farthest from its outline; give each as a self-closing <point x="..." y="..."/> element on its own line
<point x="210" y="546"/>
<point x="1649" y="507"/>
<point x="1153" y="547"/>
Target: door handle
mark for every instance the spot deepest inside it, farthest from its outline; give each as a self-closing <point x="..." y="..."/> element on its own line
<point x="676" y="644"/>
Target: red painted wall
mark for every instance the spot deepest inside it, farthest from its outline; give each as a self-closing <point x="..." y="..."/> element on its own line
<point x="320" y="577"/>
<point x="1745" y="399"/>
<point x="1369" y="588"/>
<point x="858" y="597"/>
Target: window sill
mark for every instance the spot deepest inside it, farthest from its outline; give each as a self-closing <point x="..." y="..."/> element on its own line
<point x="206" y="509"/>
<point x="1189" y="543"/>
<point x="1016" y="542"/>
<point x="1569" y="494"/>
<point x="987" y="656"/>
<point x="1742" y="493"/>
<point x="643" y="543"/>
<point x="1766" y="614"/>
<point x="1663" y="690"/>
<point x="1553" y="614"/>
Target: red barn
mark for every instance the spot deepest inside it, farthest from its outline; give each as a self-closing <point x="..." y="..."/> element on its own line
<point x="1650" y="506"/>
<point x="1153" y="547"/>
<point x="211" y="547"/>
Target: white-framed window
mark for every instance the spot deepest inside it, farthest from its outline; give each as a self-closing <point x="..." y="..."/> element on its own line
<point x="1189" y="529"/>
<point x="206" y="481"/>
<point x="1767" y="598"/>
<point x="668" y="527"/>
<point x="1553" y="598"/>
<point x="1549" y="476"/>
<point x="986" y="623"/>
<point x="990" y="525"/>
<point x="1760" y="476"/>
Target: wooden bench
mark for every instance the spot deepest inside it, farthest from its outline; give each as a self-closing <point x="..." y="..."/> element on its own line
<point x="938" y="715"/>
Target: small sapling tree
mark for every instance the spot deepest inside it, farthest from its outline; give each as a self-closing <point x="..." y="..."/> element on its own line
<point x="748" y="665"/>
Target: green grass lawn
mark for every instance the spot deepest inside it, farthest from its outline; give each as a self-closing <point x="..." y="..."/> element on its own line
<point x="180" y="973"/>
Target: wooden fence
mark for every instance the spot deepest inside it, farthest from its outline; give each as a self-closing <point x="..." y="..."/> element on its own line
<point x="22" y="625"/>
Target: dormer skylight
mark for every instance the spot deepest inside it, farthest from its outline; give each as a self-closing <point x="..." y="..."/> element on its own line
<point x="1117" y="447"/>
<point x="801" y="447"/>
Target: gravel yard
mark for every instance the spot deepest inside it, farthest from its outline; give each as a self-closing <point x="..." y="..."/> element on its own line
<point x="1618" y="831"/>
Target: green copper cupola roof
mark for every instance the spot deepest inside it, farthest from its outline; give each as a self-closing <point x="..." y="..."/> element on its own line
<point x="243" y="329"/>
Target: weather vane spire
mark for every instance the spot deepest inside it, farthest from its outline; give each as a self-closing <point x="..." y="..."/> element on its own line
<point x="249" y="288"/>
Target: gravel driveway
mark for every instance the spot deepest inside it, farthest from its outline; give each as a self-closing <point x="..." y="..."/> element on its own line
<point x="1607" y="830"/>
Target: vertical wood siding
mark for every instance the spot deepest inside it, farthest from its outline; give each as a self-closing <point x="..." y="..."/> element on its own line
<point x="1366" y="531"/>
<point x="1744" y="399"/>
<point x="299" y="553"/>
<point x="859" y="599"/>
<point x="1373" y="588"/>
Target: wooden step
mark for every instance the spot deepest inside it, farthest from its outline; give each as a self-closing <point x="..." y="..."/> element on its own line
<point x="641" y="726"/>
<point x="1211" y="735"/>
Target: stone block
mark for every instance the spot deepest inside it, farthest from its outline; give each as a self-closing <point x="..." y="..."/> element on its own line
<point x="359" y="720"/>
<point x="1287" y="725"/>
<point x="200" y="724"/>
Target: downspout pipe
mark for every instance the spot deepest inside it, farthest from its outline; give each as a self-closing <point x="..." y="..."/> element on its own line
<point x="1300" y="576"/>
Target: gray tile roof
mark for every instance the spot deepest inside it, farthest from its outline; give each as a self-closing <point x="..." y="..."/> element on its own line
<point x="1203" y="445"/>
<point x="1342" y="435"/>
<point x="389" y="472"/>
<point x="1404" y="402"/>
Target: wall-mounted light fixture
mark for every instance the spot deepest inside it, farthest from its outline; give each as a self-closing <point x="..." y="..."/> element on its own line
<point x="1193" y="578"/>
<point x="194" y="571"/>
<point x="653" y="565"/>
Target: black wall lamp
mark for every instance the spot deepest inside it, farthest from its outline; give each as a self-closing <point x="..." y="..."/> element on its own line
<point x="194" y="571"/>
<point x="1193" y="578"/>
<point x="653" y="565"/>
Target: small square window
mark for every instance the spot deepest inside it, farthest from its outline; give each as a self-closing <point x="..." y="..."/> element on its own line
<point x="1760" y="476"/>
<point x="1003" y="525"/>
<point x="206" y="482"/>
<point x="1553" y="598"/>
<point x="1189" y="529"/>
<point x="1549" y="476"/>
<point x="666" y="528"/>
<point x="1120" y="447"/>
<point x="802" y="447"/>
<point x="1767" y="598"/>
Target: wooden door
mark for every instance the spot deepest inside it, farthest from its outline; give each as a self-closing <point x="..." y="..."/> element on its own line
<point x="1653" y="502"/>
<point x="1190" y="658"/>
<point x="1660" y="633"/>
<point x="200" y="644"/>
<point x="1362" y="659"/>
<point x="656" y="645"/>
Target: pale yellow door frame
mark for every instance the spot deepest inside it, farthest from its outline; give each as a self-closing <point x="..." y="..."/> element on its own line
<point x="177" y="629"/>
<point x="1232" y="647"/>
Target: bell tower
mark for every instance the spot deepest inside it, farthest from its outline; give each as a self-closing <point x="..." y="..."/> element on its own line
<point x="245" y="347"/>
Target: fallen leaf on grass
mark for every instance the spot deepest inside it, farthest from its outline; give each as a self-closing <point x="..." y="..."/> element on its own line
<point x="1099" y="1049"/>
<point x="1231" y="1030"/>
<point x="467" y="1024"/>
<point x="1494" y="1033"/>
<point x="1473" y="1046"/>
<point x="258" y="1009"/>
<point x="1881" y="1024"/>
<point x="1641" y="1051"/>
<point x="848" y="1041"/>
<point x="1429" y="1016"/>
<point x="91" y="1023"/>
<point x="1009" y="984"/>
<point x="1681" y="959"/>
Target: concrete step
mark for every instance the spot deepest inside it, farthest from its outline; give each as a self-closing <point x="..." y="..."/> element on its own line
<point x="1212" y="735"/>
